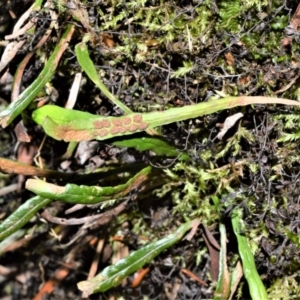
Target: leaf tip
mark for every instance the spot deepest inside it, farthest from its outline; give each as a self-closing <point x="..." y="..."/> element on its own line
<point x="4" y="121"/>
<point x="86" y="286"/>
<point x="29" y="184"/>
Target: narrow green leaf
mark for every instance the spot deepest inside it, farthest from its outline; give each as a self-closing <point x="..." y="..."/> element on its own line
<point x="88" y="66"/>
<point x="155" y="144"/>
<point x="62" y="116"/>
<point x="22" y="215"/>
<point x="256" y="287"/>
<point x="114" y="274"/>
<point x="37" y="4"/>
<point x="17" y="106"/>
<point x="223" y="285"/>
<point x="235" y="278"/>
<point x="11" y="239"/>
<point x="82" y="194"/>
<point x="72" y="125"/>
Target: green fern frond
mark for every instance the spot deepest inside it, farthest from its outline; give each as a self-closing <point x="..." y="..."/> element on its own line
<point x="116" y="19"/>
<point x="289" y="137"/>
<point x="257" y="3"/>
<point x="148" y="17"/>
<point x="230" y="12"/>
<point x="290" y="121"/>
<point x="200" y="24"/>
<point x="140" y="57"/>
<point x="136" y="4"/>
<point x="233" y="143"/>
<point x="60" y="5"/>
<point x="187" y="67"/>
<point x="142" y="47"/>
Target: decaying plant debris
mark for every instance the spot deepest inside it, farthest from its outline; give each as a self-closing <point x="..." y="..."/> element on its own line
<point x="152" y="56"/>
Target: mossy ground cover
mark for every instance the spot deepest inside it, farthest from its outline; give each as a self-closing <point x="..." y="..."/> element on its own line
<point x="156" y="55"/>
